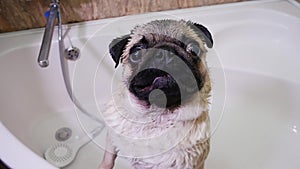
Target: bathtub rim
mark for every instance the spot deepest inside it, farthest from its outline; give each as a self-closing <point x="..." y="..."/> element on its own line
<point x="20" y="158"/>
<point x="294" y="3"/>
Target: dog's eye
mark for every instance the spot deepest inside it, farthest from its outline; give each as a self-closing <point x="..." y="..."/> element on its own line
<point x="194" y="49"/>
<point x="136" y="54"/>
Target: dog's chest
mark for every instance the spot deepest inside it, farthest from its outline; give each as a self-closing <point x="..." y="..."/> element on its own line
<point x="160" y="144"/>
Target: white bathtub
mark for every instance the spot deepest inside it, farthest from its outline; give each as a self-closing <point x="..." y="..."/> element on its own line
<point x="255" y="114"/>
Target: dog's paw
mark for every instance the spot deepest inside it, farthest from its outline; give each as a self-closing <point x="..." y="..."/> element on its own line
<point x="105" y="166"/>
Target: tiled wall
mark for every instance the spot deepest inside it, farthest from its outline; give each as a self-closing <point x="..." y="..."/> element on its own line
<point x="26" y="14"/>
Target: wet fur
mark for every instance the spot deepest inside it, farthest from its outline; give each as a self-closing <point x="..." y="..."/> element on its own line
<point x="189" y="121"/>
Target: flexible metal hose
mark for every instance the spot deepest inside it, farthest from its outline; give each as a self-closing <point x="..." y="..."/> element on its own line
<point x="66" y="77"/>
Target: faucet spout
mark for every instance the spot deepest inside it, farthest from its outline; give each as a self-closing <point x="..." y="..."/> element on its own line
<point x="47" y="38"/>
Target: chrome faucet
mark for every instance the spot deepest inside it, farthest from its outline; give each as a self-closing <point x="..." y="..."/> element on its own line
<point x="71" y="54"/>
<point x="54" y="13"/>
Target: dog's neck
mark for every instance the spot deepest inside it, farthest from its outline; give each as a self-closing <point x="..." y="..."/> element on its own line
<point x="152" y="128"/>
<point x="138" y="110"/>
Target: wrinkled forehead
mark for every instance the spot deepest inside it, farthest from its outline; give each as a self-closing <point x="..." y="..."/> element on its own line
<point x="152" y="40"/>
<point x="164" y="30"/>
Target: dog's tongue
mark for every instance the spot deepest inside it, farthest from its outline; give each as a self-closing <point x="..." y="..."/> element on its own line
<point x="160" y="82"/>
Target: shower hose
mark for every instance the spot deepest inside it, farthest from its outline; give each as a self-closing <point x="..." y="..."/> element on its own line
<point x="66" y="77"/>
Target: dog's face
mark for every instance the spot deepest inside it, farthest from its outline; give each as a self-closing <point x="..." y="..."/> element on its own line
<point x="164" y="61"/>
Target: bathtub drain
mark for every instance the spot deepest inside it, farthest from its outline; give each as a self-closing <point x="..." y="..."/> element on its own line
<point x="72" y="53"/>
<point x="63" y="134"/>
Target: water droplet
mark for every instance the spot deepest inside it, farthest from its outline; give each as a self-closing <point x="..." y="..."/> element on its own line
<point x="294" y="129"/>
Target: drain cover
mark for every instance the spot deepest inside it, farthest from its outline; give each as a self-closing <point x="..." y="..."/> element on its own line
<point x="72" y="53"/>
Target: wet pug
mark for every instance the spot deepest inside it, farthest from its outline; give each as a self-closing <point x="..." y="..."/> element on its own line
<point x="159" y="119"/>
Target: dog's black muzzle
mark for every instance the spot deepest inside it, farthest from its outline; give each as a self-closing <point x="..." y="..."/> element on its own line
<point x="168" y="72"/>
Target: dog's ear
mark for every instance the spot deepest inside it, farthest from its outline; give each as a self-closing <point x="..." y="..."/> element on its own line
<point x="203" y="33"/>
<point x="116" y="48"/>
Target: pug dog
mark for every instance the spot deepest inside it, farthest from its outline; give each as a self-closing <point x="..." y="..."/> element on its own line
<point x="159" y="117"/>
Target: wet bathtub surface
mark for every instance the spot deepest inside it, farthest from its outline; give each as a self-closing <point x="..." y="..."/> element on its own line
<point x="254" y="65"/>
